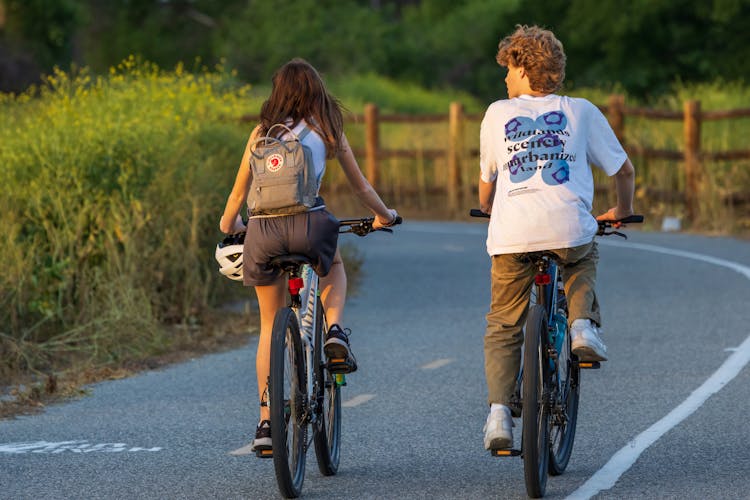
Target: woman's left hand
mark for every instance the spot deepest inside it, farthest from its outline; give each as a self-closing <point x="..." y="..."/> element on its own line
<point x="238" y="226"/>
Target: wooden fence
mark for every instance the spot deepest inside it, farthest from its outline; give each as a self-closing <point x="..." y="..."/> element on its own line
<point x="692" y="157"/>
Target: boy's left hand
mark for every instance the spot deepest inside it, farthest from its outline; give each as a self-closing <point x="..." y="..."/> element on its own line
<point x="613" y="214"/>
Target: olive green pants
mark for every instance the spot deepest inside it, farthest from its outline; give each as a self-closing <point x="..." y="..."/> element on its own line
<point x="512" y="279"/>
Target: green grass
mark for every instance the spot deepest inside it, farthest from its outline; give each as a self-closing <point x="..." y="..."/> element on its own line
<point x="113" y="186"/>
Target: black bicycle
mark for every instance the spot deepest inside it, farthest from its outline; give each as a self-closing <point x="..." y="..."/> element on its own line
<point x="548" y="384"/>
<point x="304" y="389"/>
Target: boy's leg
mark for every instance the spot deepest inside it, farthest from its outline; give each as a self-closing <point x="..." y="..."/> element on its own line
<point x="511" y="286"/>
<point x="579" y="276"/>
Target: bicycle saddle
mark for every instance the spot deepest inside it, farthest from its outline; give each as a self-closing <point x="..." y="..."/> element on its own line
<point x="293" y="259"/>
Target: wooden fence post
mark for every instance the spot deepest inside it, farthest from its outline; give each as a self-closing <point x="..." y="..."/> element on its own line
<point x="616" y="116"/>
<point x="372" y="143"/>
<point x="455" y="151"/>
<point x="693" y="168"/>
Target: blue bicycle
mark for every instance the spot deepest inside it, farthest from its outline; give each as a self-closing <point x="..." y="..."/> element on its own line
<point x="548" y="385"/>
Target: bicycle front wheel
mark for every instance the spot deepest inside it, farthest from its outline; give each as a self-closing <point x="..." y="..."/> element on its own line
<point x="565" y="414"/>
<point x="327" y="428"/>
<point x="535" y="412"/>
<point x="287" y="402"/>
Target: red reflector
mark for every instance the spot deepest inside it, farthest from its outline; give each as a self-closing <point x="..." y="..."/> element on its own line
<point x="295" y="285"/>
<point x="542" y="279"/>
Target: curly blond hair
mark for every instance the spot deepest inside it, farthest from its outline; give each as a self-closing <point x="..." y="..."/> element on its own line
<point x="538" y="52"/>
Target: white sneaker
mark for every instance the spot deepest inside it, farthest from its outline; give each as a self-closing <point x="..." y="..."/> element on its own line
<point x="585" y="341"/>
<point x="498" y="430"/>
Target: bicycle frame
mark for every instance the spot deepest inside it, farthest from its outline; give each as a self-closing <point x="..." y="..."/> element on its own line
<point x="548" y="293"/>
<point x="303" y="285"/>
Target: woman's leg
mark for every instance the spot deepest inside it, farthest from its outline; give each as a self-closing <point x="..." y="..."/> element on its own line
<point x="271" y="298"/>
<point x="333" y="291"/>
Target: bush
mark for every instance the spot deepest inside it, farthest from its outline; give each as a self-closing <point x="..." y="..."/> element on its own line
<point x="113" y="187"/>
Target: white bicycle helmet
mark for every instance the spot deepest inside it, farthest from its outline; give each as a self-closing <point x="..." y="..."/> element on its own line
<point x="229" y="256"/>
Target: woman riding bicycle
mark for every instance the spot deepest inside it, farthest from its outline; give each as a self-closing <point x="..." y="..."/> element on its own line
<point x="299" y="100"/>
<point x="535" y="150"/>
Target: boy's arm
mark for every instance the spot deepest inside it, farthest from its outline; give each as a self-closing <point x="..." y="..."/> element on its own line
<point x="486" y="195"/>
<point x="624" y="187"/>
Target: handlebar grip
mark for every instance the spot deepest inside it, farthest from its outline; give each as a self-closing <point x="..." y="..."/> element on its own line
<point x="632" y="219"/>
<point x="475" y="212"/>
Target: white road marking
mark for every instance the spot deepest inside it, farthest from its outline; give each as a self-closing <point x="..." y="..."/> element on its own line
<point x="437" y="363"/>
<point x="606" y="477"/>
<point x="357" y="400"/>
<point x="69" y="446"/>
<point x="453" y="248"/>
<point x="245" y="450"/>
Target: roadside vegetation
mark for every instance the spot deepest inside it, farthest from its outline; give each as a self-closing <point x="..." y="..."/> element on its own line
<point x="111" y="188"/>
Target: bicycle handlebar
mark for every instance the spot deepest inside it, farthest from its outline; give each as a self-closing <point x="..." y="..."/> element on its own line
<point x="363" y="226"/>
<point x="603" y="224"/>
<point x="475" y="212"/>
<point x="606" y="224"/>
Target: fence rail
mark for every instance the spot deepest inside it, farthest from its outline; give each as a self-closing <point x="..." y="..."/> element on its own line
<point x="692" y="156"/>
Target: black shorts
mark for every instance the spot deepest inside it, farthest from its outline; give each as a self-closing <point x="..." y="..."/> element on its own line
<point x="314" y="234"/>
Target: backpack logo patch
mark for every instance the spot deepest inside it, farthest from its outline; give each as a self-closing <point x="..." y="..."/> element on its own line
<point x="274" y="162"/>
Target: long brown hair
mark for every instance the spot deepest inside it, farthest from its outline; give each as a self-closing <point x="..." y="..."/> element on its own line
<point x="299" y="93"/>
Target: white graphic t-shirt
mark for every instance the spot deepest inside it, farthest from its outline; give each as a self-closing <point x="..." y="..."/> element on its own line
<point x="538" y="150"/>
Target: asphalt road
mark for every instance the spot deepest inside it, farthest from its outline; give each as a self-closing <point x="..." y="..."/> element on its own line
<point x="666" y="417"/>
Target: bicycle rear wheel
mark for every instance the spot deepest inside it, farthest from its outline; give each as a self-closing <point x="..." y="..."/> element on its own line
<point x="535" y="411"/>
<point x="565" y="414"/>
<point x="327" y="429"/>
<point x="287" y="401"/>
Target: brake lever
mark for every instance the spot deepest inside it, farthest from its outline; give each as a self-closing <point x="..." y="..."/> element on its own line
<point x="616" y="233"/>
<point x="360" y="229"/>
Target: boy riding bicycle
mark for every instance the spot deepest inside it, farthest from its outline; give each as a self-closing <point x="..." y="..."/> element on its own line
<point x="535" y="181"/>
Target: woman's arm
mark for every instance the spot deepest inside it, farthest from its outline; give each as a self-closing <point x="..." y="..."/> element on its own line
<point x="362" y="188"/>
<point x="231" y="222"/>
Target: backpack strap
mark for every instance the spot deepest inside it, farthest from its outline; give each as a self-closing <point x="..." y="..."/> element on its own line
<point x="303" y="133"/>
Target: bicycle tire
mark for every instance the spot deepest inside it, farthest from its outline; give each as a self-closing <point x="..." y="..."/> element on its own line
<point x="327" y="431"/>
<point x="534" y="413"/>
<point x="287" y="402"/>
<point x="563" y="425"/>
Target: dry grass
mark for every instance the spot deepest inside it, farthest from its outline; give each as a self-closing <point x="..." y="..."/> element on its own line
<point x="27" y="393"/>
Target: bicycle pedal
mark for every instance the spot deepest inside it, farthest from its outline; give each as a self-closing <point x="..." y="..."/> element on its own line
<point x="264" y="453"/>
<point x="589" y="365"/>
<point x="339" y="365"/>
<point x="505" y="453"/>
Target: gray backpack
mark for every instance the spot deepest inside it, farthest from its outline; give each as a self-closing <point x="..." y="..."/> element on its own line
<point x="284" y="180"/>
